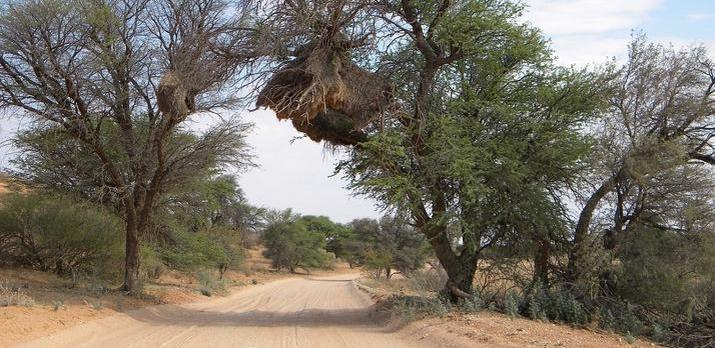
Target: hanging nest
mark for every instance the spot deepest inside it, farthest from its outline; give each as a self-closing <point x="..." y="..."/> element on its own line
<point x="326" y="95"/>
<point x="331" y="126"/>
<point x="173" y="98"/>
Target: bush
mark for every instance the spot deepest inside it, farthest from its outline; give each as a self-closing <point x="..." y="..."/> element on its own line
<point x="60" y="235"/>
<point x="410" y="308"/>
<point x="10" y="296"/>
<point x="179" y="247"/>
<point x="209" y="284"/>
<point x="189" y="251"/>
<point x="290" y="245"/>
<point x="511" y="304"/>
<point x="152" y="264"/>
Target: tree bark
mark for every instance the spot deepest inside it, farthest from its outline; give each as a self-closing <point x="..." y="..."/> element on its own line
<point x="460" y="268"/>
<point x="460" y="281"/>
<point x="131" y="260"/>
<point x="541" y="261"/>
<point x="581" y="231"/>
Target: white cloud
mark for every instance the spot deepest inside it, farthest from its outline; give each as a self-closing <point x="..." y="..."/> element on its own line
<point x="701" y="16"/>
<point x="586" y="31"/>
<point x="581" y="50"/>
<point x="569" y="17"/>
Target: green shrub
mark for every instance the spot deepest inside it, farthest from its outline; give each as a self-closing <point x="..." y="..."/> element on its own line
<point x="60" y="235"/>
<point x="190" y="251"/>
<point x="152" y="264"/>
<point x="410" y="308"/>
<point x="511" y="304"/>
<point x="209" y="284"/>
<point x="291" y="245"/>
<point x="658" y="333"/>
<point x="57" y="305"/>
<point x="472" y="305"/>
<point x="537" y="301"/>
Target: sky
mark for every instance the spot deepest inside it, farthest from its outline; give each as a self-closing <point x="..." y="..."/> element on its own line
<point x="299" y="174"/>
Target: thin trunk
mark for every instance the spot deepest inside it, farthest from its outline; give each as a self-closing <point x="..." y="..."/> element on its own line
<point x="581" y="230"/>
<point x="541" y="262"/>
<point x="131" y="260"/>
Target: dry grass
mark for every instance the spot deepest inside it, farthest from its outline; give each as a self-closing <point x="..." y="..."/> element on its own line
<point x="14" y="296"/>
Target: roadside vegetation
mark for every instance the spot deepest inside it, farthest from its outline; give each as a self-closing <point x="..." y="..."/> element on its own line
<point x="582" y="196"/>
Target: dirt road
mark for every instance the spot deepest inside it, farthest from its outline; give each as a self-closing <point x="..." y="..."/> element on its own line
<point x="296" y="312"/>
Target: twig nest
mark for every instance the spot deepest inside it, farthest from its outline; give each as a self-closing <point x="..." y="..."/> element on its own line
<point x="326" y="95"/>
<point x="172" y="96"/>
<point x="330" y="126"/>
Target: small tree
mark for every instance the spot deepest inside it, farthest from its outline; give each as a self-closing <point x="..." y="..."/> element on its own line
<point x="290" y="244"/>
<point x="115" y="81"/>
<point x="387" y="245"/>
<point x="336" y="235"/>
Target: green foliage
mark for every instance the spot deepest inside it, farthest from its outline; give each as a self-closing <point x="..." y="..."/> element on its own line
<point x="537" y="302"/>
<point x="210" y="284"/>
<point x="511" y="304"/>
<point x="410" y="308"/>
<point x="200" y="226"/>
<point x="190" y="251"/>
<point x="290" y="244"/>
<point x="58" y="304"/>
<point x="338" y="237"/>
<point x="472" y="305"/>
<point x="60" y="235"/>
<point x="665" y="270"/>
<point x="152" y="264"/>
<point x="377" y="261"/>
<point x="387" y="245"/>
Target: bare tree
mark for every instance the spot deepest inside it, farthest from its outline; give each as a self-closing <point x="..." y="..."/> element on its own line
<point x="119" y="78"/>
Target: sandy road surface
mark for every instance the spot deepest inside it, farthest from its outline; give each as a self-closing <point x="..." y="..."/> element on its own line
<point x="296" y="312"/>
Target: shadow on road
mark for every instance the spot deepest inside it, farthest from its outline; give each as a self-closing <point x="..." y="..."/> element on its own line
<point x="180" y="316"/>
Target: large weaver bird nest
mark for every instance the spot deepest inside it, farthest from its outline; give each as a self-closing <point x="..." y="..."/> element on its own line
<point x="173" y="97"/>
<point x="326" y="95"/>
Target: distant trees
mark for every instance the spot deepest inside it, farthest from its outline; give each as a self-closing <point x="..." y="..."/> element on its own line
<point x="203" y="224"/>
<point x="109" y="85"/>
<point x="292" y="243"/>
<point x="337" y="236"/>
<point x="390" y="245"/>
<point x="384" y="247"/>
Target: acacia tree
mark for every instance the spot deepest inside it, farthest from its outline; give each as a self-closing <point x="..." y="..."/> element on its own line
<point x="116" y="80"/>
<point x="653" y="149"/>
<point x="487" y="134"/>
<point x="480" y="133"/>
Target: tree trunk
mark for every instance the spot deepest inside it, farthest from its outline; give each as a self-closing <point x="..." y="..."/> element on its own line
<point x="573" y="271"/>
<point x="460" y="268"/>
<point x="541" y="262"/>
<point x="131" y="258"/>
<point x="460" y="281"/>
